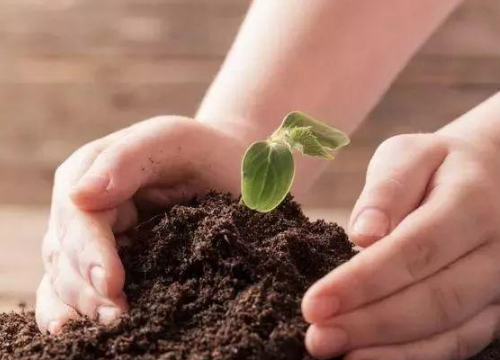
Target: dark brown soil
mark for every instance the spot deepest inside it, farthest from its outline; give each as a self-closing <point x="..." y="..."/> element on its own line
<point x="491" y="353"/>
<point x="211" y="280"/>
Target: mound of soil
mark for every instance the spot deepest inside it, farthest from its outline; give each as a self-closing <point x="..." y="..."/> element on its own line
<point x="210" y="280"/>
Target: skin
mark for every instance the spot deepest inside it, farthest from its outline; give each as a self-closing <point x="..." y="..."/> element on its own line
<point x="97" y="194"/>
<point x="424" y="286"/>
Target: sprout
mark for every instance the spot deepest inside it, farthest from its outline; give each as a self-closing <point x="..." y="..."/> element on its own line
<point x="268" y="168"/>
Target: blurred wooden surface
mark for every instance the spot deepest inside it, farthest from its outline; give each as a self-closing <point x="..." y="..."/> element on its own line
<point x="21" y="230"/>
<point x="69" y="74"/>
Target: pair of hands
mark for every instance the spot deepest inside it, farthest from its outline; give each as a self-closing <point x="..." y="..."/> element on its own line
<point x="429" y="289"/>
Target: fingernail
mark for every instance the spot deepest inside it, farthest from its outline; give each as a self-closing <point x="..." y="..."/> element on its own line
<point x="93" y="184"/>
<point x="371" y="222"/>
<point x="322" y="307"/>
<point x="98" y="280"/>
<point x="326" y="342"/>
<point x="108" y="314"/>
<point x="54" y="327"/>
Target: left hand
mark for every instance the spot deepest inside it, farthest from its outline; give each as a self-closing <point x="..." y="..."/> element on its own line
<point x="98" y="192"/>
<point x="428" y="285"/>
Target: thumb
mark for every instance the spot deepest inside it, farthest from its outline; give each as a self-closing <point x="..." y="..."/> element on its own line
<point x="396" y="183"/>
<point x="149" y="155"/>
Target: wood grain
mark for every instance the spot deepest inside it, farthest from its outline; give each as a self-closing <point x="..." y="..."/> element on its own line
<point x="21" y="231"/>
<point x="72" y="73"/>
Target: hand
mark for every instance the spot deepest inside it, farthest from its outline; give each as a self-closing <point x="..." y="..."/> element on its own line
<point x="96" y="197"/>
<point x="428" y="285"/>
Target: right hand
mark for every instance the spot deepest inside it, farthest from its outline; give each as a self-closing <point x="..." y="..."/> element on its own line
<point x="97" y="193"/>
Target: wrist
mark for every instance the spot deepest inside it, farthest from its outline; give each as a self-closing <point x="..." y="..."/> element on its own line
<point x="244" y="125"/>
<point x="480" y="126"/>
<point x="236" y="127"/>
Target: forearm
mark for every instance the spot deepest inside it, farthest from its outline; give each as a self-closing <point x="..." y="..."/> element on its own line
<point x="333" y="59"/>
<point x="480" y="125"/>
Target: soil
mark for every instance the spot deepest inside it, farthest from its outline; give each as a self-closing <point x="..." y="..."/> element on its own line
<point x="209" y="280"/>
<point x="491" y="353"/>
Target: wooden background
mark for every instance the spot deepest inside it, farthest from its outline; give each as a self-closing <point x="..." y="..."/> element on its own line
<point x="69" y="74"/>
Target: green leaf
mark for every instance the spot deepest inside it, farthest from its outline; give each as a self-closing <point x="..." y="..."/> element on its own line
<point x="268" y="168"/>
<point x="267" y="175"/>
<point x="327" y="136"/>
<point x="304" y="140"/>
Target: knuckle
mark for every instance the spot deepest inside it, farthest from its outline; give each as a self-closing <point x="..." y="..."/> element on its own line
<point x="88" y="151"/>
<point x="392" y="187"/>
<point x="446" y="303"/>
<point x="389" y="186"/>
<point x="403" y="147"/>
<point x="121" y="151"/>
<point x="117" y="156"/>
<point x="403" y="143"/>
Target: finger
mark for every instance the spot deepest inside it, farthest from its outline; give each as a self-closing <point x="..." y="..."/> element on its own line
<point x="432" y="306"/>
<point x="150" y="155"/>
<point x="432" y="237"/>
<point x="51" y="312"/>
<point x="87" y="239"/>
<point x="124" y="218"/>
<point x="62" y="214"/>
<point x="76" y="293"/>
<point x="88" y="242"/>
<point x="69" y="173"/>
<point x="458" y="344"/>
<point x="62" y="210"/>
<point x="396" y="182"/>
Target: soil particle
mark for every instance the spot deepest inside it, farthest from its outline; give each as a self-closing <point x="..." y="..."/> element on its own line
<point x="210" y="280"/>
<point x="491" y="353"/>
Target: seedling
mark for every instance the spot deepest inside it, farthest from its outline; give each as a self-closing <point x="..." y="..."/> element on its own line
<point x="268" y="168"/>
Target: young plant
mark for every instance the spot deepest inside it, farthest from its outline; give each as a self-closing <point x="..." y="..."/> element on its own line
<point x="268" y="168"/>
